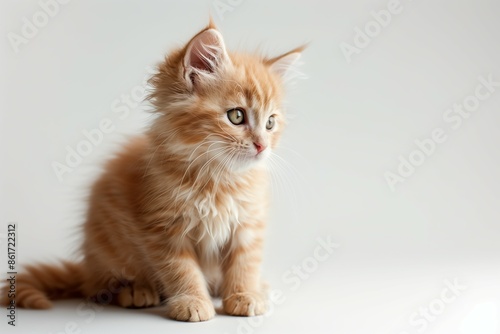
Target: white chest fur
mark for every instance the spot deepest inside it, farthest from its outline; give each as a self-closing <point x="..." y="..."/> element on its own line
<point x="218" y="217"/>
<point x="213" y="217"/>
<point x="213" y="220"/>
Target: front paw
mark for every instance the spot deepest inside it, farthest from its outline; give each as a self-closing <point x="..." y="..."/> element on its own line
<point x="245" y="304"/>
<point x="190" y="308"/>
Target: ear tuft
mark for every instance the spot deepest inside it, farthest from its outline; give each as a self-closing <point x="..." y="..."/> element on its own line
<point x="205" y="54"/>
<point x="285" y="64"/>
<point x="211" y="23"/>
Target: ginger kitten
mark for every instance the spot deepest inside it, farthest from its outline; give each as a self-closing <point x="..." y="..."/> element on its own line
<point x="178" y="215"/>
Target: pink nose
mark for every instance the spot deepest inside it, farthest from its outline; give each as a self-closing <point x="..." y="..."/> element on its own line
<point x="259" y="147"/>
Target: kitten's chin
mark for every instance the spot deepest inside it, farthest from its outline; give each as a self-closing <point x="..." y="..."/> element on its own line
<point x="247" y="161"/>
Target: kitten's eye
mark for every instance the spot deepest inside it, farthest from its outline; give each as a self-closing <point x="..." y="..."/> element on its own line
<point x="236" y="116"/>
<point x="270" y="123"/>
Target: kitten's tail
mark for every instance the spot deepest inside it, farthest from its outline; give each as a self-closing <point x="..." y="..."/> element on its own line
<point x="38" y="284"/>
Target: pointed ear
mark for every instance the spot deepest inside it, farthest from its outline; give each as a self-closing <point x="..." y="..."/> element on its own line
<point x="283" y="64"/>
<point x="204" y="57"/>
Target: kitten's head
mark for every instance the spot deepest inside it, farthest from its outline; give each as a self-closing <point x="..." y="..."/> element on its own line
<point x="220" y="107"/>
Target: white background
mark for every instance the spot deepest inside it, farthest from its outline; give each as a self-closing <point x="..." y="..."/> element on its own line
<point x="349" y="124"/>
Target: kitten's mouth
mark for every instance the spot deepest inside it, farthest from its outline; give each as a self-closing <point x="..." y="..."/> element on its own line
<point x="249" y="156"/>
<point x="259" y="155"/>
<point x="256" y="156"/>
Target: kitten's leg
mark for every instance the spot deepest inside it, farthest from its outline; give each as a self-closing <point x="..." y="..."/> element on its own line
<point x="242" y="291"/>
<point x="139" y="293"/>
<point x="183" y="284"/>
<point x="118" y="281"/>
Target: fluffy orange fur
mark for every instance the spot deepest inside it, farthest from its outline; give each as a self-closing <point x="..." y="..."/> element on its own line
<point x="179" y="214"/>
